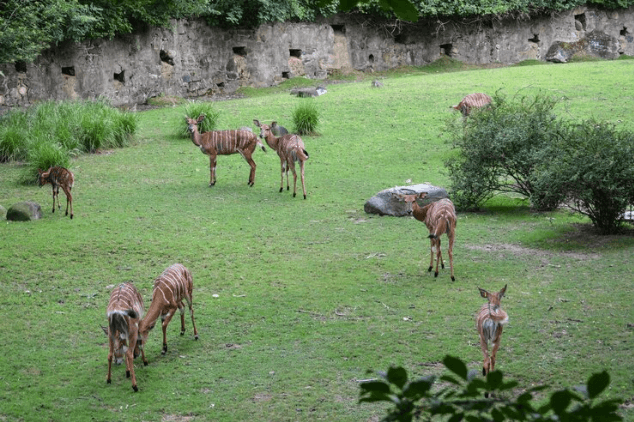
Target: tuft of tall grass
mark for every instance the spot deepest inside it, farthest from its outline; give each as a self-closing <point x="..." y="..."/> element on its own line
<point x="51" y="132"/>
<point x="306" y="117"/>
<point x="195" y="109"/>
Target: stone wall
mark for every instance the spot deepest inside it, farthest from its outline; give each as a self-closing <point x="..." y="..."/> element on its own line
<point x="192" y="59"/>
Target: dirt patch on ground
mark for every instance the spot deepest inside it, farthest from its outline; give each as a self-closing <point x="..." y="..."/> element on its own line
<point x="521" y="250"/>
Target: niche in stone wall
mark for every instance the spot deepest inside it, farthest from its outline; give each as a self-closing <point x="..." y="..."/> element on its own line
<point x="68" y="71"/>
<point x="20" y="66"/>
<point x="120" y="77"/>
<point x="295" y="53"/>
<point x="166" y="57"/>
<point x="535" y="39"/>
<point x="447" y="50"/>
<point x="286" y="75"/>
<point x="240" y="51"/>
<point x="623" y="32"/>
<point x="580" y="22"/>
<point x="371" y="58"/>
<point x="338" y="29"/>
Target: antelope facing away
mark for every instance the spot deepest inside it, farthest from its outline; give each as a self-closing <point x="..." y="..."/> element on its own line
<point x="490" y="322"/>
<point x="290" y="148"/>
<point x="124" y="312"/>
<point x="439" y="217"/>
<point x="224" y="142"/>
<point x="170" y="288"/>
<point x="472" y="100"/>
<point x="58" y="177"/>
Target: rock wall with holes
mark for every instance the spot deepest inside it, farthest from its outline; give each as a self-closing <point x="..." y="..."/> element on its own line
<point x="192" y="59"/>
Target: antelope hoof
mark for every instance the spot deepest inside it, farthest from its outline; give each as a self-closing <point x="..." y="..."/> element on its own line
<point x="453" y="278"/>
<point x="294" y="194"/>
<point x="164" y="349"/>
<point x="211" y="185"/>
<point x="127" y="374"/>
<point x="304" y="196"/>
<point x="183" y="333"/>
<point x="196" y="337"/>
<point x="436" y="274"/>
<point x="71" y="216"/>
<point x="281" y="189"/>
<point x="145" y="363"/>
<point x="288" y="188"/>
<point x="108" y="381"/>
<point x="443" y="265"/>
<point x="135" y="388"/>
<point x="429" y="269"/>
<point x="484" y="371"/>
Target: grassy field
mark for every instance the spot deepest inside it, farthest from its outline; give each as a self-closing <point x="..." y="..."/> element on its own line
<point x="297" y="299"/>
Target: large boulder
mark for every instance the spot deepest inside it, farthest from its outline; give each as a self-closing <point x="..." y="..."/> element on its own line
<point x="24" y="211"/>
<point x="595" y="43"/>
<point x="386" y="202"/>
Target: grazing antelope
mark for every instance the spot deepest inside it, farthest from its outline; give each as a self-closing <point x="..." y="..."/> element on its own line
<point x="290" y="148"/>
<point x="124" y="312"/>
<point x="170" y="288"/>
<point x="58" y="177"/>
<point x="490" y="322"/>
<point x="224" y="142"/>
<point x="439" y="217"/>
<point x="472" y="100"/>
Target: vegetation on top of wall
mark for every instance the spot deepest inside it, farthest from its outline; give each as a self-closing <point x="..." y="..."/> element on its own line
<point x="27" y="27"/>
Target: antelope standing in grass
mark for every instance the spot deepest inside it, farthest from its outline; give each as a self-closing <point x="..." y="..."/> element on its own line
<point x="490" y="322"/>
<point x="290" y="148"/>
<point x="439" y="217"/>
<point x="224" y="142"/>
<point x="58" y="177"/>
<point x="124" y="312"/>
<point x="472" y="100"/>
<point x="170" y="288"/>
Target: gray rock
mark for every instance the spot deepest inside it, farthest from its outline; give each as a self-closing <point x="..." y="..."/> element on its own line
<point x="595" y="43"/>
<point x="308" y="92"/>
<point x="24" y="211"/>
<point x="279" y="130"/>
<point x="386" y="203"/>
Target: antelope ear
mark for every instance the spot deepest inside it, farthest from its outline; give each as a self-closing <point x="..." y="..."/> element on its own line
<point x="256" y="122"/>
<point x="501" y="293"/>
<point x="201" y="118"/>
<point x="483" y="293"/>
<point x="105" y="329"/>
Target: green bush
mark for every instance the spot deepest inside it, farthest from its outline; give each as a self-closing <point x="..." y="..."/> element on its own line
<point x="44" y="154"/>
<point x="498" y="148"/>
<point x="592" y="167"/>
<point x="466" y="396"/>
<point x="306" y="117"/>
<point x="195" y="109"/>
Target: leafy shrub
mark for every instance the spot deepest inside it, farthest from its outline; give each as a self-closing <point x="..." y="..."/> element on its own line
<point x="498" y="149"/>
<point x="592" y="167"/>
<point x="305" y="117"/>
<point x="467" y="398"/>
<point x="195" y="109"/>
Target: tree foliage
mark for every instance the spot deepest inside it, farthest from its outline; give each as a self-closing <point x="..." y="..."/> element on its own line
<point x="469" y="397"/>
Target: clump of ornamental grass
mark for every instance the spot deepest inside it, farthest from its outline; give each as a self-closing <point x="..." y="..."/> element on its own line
<point x="195" y="109"/>
<point x="306" y="117"/>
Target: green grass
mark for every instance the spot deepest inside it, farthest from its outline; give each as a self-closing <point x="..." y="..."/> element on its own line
<point x="310" y="293"/>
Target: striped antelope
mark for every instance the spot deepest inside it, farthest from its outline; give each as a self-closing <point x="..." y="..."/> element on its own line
<point x="472" y="100"/>
<point x="490" y="322"/>
<point x="58" y="177"/>
<point x="439" y="217"/>
<point x="224" y="142"/>
<point x="124" y="312"/>
<point x="290" y="148"/>
<point x="170" y="288"/>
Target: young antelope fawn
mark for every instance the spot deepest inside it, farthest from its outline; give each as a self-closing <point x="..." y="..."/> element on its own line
<point x="490" y="322"/>
<point x="170" y="288"/>
<point x="290" y="148"/>
<point x="439" y="217"/>
<point x="124" y="312"/>
<point x="58" y="177"/>
<point x="472" y="100"/>
<point x="224" y="142"/>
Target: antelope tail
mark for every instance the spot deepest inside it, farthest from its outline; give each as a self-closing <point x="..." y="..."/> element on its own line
<point x="261" y="145"/>
<point x="441" y="228"/>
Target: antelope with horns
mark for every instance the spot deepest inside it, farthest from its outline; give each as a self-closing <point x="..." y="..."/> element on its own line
<point x="170" y="288"/>
<point x="472" y="100"/>
<point x="124" y="312"/>
<point x="290" y="148"/>
<point x="439" y="217"/>
<point x="58" y="177"/>
<point x="490" y="322"/>
<point x="224" y="142"/>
